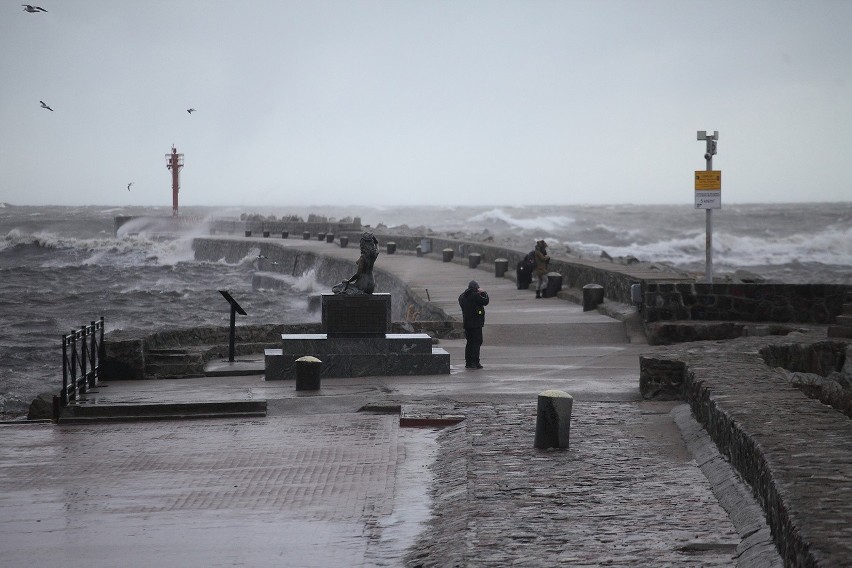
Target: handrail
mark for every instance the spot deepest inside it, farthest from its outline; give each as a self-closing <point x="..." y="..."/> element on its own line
<point x="81" y="367"/>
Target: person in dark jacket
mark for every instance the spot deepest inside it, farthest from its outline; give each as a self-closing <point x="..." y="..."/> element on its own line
<point x="473" y="302"/>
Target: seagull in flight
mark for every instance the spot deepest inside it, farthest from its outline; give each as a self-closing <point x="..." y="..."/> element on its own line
<point x="128" y="185"/>
<point x="190" y="110"/>
<point x="44" y="105"/>
<point x="33" y="9"/>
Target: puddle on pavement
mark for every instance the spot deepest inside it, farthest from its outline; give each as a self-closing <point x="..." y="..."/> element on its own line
<point x="412" y="502"/>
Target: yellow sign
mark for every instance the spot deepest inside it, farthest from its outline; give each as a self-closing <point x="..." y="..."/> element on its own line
<point x="708" y="180"/>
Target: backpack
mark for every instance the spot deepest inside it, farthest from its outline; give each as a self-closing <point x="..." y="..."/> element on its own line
<point x="529" y="259"/>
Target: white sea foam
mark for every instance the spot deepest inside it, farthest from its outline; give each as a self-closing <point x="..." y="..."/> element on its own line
<point x="543" y="223"/>
<point x="831" y="246"/>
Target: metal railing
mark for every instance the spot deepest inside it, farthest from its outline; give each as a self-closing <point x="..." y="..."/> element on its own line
<point x="82" y="353"/>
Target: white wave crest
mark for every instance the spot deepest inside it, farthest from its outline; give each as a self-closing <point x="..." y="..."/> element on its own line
<point x="832" y="246"/>
<point x="543" y="223"/>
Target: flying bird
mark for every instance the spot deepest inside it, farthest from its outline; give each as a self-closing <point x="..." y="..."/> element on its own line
<point x="190" y="110"/>
<point x="33" y="9"/>
<point x="128" y="185"/>
<point x="44" y="105"/>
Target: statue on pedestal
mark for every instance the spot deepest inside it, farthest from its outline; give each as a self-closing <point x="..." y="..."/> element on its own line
<point x="362" y="282"/>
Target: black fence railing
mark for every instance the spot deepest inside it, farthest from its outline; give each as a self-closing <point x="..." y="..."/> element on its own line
<point x="82" y="353"/>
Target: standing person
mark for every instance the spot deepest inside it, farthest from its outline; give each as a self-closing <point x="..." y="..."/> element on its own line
<point x="541" y="260"/>
<point x="473" y="302"/>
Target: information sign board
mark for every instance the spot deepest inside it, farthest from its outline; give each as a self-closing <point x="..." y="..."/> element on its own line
<point x="708" y="189"/>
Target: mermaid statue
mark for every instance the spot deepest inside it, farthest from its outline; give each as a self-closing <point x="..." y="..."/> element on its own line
<point x="362" y="282"/>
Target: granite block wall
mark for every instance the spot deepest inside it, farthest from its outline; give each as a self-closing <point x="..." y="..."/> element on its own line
<point x="790" y="303"/>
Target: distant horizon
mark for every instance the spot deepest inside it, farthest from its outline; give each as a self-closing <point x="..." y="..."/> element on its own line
<point x="425" y="205"/>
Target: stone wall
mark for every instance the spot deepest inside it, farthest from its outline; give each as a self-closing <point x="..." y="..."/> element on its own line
<point x="780" y="303"/>
<point x="793" y="451"/>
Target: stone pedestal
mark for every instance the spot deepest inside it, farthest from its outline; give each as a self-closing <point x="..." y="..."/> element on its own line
<point x="248" y="233"/>
<point x="265" y="234"/>
<point x="368" y="315"/>
<point x="553" y="422"/>
<point x="306" y="235"/>
<point x="419" y="250"/>
<point x="473" y="259"/>
<point x="593" y="294"/>
<point x="329" y="237"/>
<point x="320" y="236"/>
<point x="308" y="373"/>
<point x="554" y="285"/>
<point x="285" y="234"/>
<point x="356" y="343"/>
<point x="448" y="254"/>
<point x="391" y="247"/>
<point x="501" y="266"/>
<point x="344" y="240"/>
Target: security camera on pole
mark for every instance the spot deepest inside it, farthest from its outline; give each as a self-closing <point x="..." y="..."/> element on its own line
<point x="708" y="194"/>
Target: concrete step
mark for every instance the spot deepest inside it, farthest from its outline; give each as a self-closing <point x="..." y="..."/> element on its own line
<point x="175" y="370"/>
<point x="843" y="321"/>
<point x="88" y="413"/>
<point x="839" y="331"/>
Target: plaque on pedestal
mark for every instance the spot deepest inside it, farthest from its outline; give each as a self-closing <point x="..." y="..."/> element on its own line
<point x="364" y="315"/>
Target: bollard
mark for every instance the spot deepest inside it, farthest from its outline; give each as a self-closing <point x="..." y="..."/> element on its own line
<point x="593" y="294"/>
<point x="248" y="233"/>
<point x="320" y="236"/>
<point x="308" y="373"/>
<point x="329" y="238"/>
<point x="501" y="266"/>
<point x="554" y="285"/>
<point x="448" y="254"/>
<point x="473" y="259"/>
<point x="265" y="234"/>
<point x="284" y="234"/>
<point x="553" y="422"/>
<point x="344" y="240"/>
<point x="391" y="247"/>
<point x="306" y="235"/>
<point x="419" y="250"/>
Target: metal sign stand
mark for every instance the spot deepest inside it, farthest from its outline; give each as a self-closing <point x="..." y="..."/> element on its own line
<point x="708" y="156"/>
<point x="235" y="309"/>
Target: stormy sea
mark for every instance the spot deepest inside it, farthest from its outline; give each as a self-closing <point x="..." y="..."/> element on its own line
<point x="63" y="267"/>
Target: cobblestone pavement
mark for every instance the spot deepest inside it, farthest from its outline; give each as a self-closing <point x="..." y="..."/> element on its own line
<point x="322" y="490"/>
<point x="626" y="493"/>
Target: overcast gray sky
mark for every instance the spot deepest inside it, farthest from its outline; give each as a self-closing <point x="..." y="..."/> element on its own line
<point x="424" y="101"/>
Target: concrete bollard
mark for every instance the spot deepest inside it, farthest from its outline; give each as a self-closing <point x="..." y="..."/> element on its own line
<point x="308" y="373"/>
<point x="501" y="266"/>
<point x="448" y="254"/>
<point x="554" y="285"/>
<point x="248" y="233"/>
<point x="593" y="294"/>
<point x="391" y="247"/>
<point x="553" y="422"/>
<point x="473" y="259"/>
<point x="285" y="234"/>
<point x="419" y="250"/>
<point x="344" y="240"/>
<point x="265" y="234"/>
<point x="329" y="237"/>
<point x="320" y="236"/>
<point x="306" y="235"/>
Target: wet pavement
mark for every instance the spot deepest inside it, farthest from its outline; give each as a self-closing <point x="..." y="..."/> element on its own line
<point x="318" y="482"/>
